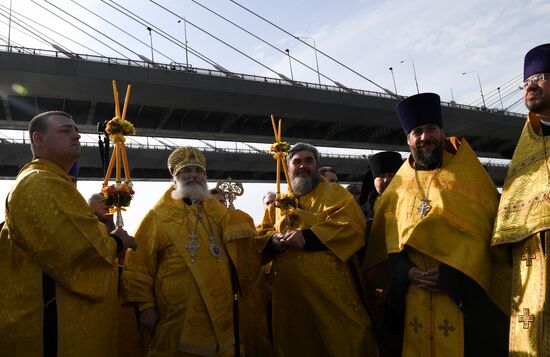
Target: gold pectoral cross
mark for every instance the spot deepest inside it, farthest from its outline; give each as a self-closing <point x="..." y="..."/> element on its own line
<point x="424" y="207"/>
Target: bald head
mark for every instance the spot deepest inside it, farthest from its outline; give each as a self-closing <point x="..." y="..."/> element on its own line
<point x="98" y="207"/>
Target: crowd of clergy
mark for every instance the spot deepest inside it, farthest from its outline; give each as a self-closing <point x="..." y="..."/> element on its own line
<point x="424" y="258"/>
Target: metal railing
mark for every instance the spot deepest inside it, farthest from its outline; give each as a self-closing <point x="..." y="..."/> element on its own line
<point x="161" y="147"/>
<point x="175" y="66"/>
<point x="135" y="145"/>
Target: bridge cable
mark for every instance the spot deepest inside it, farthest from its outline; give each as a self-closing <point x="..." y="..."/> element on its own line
<point x="17" y="46"/>
<point x="91" y="27"/>
<point x="215" y="37"/>
<point x="121" y="29"/>
<point x="162" y="33"/>
<point x="5" y="9"/>
<point x="24" y="30"/>
<point x="315" y="49"/>
<point x="493" y="94"/>
<point x="78" y="28"/>
<point x="520" y="100"/>
<point x="260" y="39"/>
<point x="510" y="85"/>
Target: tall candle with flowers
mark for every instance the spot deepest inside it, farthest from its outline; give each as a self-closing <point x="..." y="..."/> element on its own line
<point x="118" y="195"/>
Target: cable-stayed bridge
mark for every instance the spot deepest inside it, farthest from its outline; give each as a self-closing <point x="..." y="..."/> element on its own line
<point x="177" y="101"/>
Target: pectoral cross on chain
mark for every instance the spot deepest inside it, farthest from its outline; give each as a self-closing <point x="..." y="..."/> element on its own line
<point x="214" y="249"/>
<point x="424" y="208"/>
<point x="193" y="245"/>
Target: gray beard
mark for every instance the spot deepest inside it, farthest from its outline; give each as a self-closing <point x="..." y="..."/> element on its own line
<point x="304" y="185"/>
<point x="428" y="161"/>
<point x="192" y="191"/>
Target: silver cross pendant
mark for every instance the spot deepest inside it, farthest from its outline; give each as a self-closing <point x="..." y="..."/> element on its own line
<point x="424" y="208"/>
<point x="193" y="245"/>
<point x="214" y="248"/>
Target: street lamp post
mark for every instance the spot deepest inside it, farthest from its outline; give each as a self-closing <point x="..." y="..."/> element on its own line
<point x="289" y="63"/>
<point x="316" y="60"/>
<point x="480" y="88"/>
<point x="185" y="36"/>
<point x="393" y="78"/>
<point x="414" y="72"/>
<point x="9" y="30"/>
<point x="500" y="97"/>
<point x="151" y="37"/>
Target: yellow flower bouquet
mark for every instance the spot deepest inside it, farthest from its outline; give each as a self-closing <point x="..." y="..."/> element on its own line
<point x="286" y="200"/>
<point x="116" y="129"/>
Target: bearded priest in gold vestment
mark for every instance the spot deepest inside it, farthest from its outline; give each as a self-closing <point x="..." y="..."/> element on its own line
<point x="523" y="217"/>
<point x="58" y="265"/>
<point x="197" y="266"/>
<point x="317" y="310"/>
<point x="446" y="289"/>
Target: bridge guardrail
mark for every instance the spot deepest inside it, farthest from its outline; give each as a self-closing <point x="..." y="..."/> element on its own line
<point x="134" y="145"/>
<point x="174" y="66"/>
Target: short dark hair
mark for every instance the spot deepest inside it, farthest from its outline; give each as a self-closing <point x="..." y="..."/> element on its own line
<point x="354" y="188"/>
<point x="303" y="147"/>
<point x="96" y="197"/>
<point x="40" y="122"/>
<point x="324" y="169"/>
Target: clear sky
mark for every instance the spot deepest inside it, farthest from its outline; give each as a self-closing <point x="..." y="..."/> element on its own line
<point x="444" y="39"/>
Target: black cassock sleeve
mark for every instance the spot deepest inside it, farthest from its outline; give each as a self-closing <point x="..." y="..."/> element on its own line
<point x="486" y="327"/>
<point x="394" y="311"/>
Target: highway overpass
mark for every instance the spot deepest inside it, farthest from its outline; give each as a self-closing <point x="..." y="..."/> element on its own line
<point x="175" y="101"/>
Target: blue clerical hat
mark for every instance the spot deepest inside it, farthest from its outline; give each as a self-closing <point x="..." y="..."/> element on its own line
<point x="537" y="61"/>
<point x="419" y="109"/>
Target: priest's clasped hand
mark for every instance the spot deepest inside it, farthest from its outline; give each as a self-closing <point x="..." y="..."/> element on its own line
<point x="148" y="319"/>
<point x="428" y="280"/>
<point x="291" y="239"/>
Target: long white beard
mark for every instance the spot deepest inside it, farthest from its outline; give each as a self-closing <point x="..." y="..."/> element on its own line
<point x="194" y="191"/>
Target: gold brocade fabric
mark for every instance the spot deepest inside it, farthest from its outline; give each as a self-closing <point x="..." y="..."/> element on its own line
<point x="434" y="326"/>
<point x="530" y="318"/>
<point x="525" y="203"/>
<point x="194" y="299"/>
<point x="523" y="216"/>
<point x="238" y="236"/>
<point x="456" y="231"/>
<point x="316" y="307"/>
<point x="49" y="227"/>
